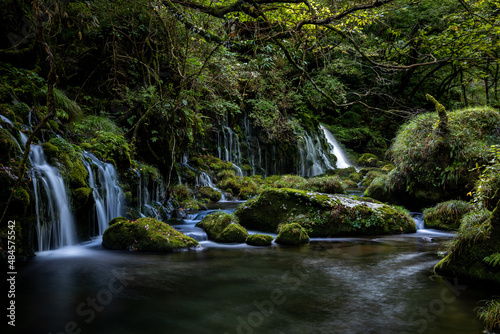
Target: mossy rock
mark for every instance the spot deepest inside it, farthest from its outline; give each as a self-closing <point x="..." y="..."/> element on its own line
<point x="369" y="160"/>
<point x="259" y="240"/>
<point x="379" y="189"/>
<point x="145" y="234"/>
<point x="8" y="147"/>
<point x="83" y="197"/>
<point x="426" y="154"/>
<point x="322" y="215"/>
<point x="446" y="215"/>
<point x="370" y="176"/>
<point x="209" y="194"/>
<point x="223" y="227"/>
<point x="469" y="251"/>
<point x="292" y="234"/>
<point x="117" y="220"/>
<point x="68" y="156"/>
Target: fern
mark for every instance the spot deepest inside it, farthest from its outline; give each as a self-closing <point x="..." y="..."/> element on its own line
<point x="493" y="259"/>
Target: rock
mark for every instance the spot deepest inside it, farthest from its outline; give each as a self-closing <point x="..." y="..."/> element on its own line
<point x="322" y="215"/>
<point x="144" y="234"/>
<point x="446" y="215"/>
<point x="368" y="159"/>
<point x="259" y="240"/>
<point x="292" y="234"/>
<point x="223" y="227"/>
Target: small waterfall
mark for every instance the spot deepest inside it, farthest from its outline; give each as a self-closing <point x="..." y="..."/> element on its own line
<point x="108" y="195"/>
<point x="232" y="150"/>
<point x="342" y="160"/>
<point x="313" y="159"/>
<point x="204" y="180"/>
<point x="418" y="217"/>
<point x="55" y="222"/>
<point x="6" y="120"/>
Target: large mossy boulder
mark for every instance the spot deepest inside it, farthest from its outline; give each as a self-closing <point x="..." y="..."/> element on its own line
<point x="145" y="234"/>
<point x="259" y="240"/>
<point x="223" y="227"/>
<point x="446" y="215"/>
<point x="292" y="234"/>
<point x="475" y="252"/>
<point x="435" y="163"/>
<point x="322" y="215"/>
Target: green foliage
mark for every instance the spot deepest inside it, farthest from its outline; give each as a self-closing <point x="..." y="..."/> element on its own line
<point x="368" y="159"/>
<point x="493" y="259"/>
<point x="425" y="160"/>
<point x="91" y="125"/>
<point x="207" y="193"/>
<point x="70" y="107"/>
<point x="112" y="147"/>
<point x="446" y="215"/>
<point x="490" y="314"/>
<point x="486" y="189"/>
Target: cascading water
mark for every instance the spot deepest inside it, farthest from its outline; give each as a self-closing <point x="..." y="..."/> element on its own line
<point x="108" y="195"/>
<point x="342" y="160"/>
<point x="232" y="150"/>
<point x="313" y="159"/>
<point x="204" y="180"/>
<point x="55" y="222"/>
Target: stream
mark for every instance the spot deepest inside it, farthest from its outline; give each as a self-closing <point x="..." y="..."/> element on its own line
<point x="374" y="284"/>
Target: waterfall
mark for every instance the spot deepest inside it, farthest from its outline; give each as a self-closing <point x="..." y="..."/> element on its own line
<point x="342" y="160"/>
<point x="232" y="150"/>
<point x="313" y="159"/>
<point x="55" y="222"/>
<point x="204" y="180"/>
<point x="6" y="120"/>
<point x="108" y="195"/>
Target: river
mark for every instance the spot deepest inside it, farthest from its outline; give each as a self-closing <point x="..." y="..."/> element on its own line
<point x="376" y="284"/>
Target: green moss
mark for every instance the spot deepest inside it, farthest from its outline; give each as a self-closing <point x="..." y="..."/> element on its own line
<point x="259" y="240"/>
<point x="223" y="227"/>
<point x="145" y="234"/>
<point x="369" y="160"/>
<point x="112" y="147"/>
<point x="320" y="214"/>
<point x="428" y="162"/>
<point x="68" y="156"/>
<point x="82" y="197"/>
<point x="208" y="194"/>
<point x="379" y="189"/>
<point x="292" y="234"/>
<point x="446" y="215"/>
<point x="8" y="147"/>
<point x="117" y="220"/>
<point x="370" y="176"/>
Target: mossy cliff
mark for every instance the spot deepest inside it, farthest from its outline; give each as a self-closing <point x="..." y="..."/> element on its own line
<point x="144" y="234"/>
<point x="321" y="214"/>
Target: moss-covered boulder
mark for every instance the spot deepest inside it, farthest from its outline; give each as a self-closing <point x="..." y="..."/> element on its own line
<point x="321" y="214"/>
<point x="472" y="253"/>
<point x="292" y="234"/>
<point x="259" y="240"/>
<point x="145" y="234"/>
<point x="68" y="158"/>
<point x="223" y="227"/>
<point x="208" y="194"/>
<point x="446" y="215"/>
<point x="368" y="159"/>
<point x="436" y="164"/>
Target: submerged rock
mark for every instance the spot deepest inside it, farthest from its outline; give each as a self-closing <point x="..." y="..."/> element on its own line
<point x="322" y="215"/>
<point x="292" y="234"/>
<point x="259" y="240"/>
<point x="144" y="234"/>
<point x="223" y="227"/>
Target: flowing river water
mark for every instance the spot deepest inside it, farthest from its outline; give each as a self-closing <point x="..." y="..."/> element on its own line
<point x="376" y="284"/>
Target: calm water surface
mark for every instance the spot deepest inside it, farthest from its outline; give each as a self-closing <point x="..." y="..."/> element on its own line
<point x="341" y="285"/>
